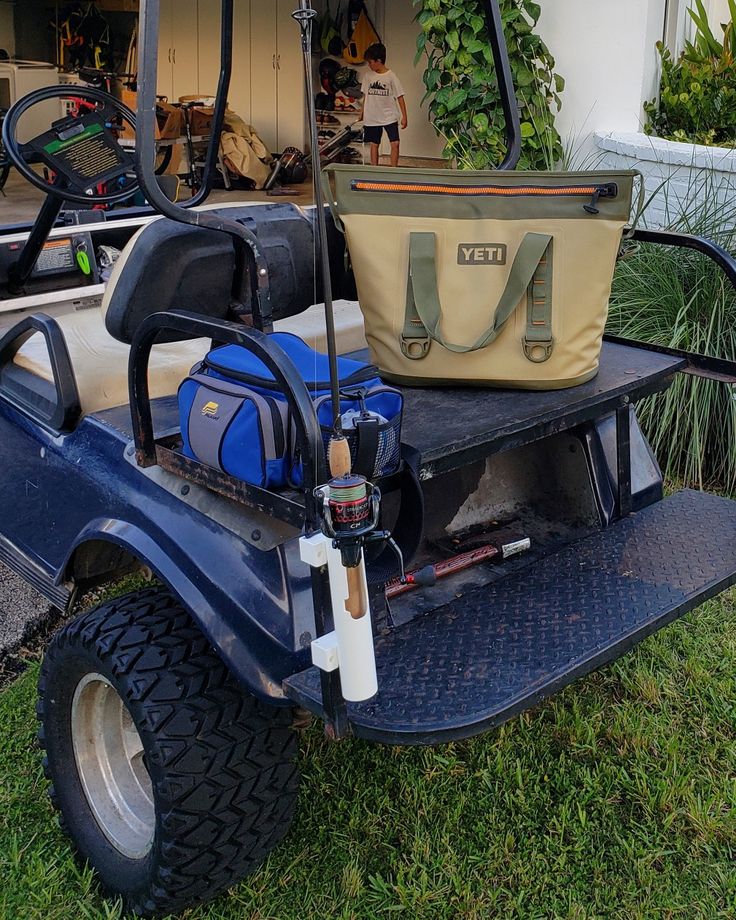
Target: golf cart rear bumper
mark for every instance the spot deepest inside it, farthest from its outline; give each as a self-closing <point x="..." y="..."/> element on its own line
<point x="497" y="650"/>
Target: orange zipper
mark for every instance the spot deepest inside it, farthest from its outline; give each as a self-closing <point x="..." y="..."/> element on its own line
<point x="607" y="190"/>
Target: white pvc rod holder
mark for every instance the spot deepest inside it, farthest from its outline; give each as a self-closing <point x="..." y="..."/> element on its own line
<point x="356" y="656"/>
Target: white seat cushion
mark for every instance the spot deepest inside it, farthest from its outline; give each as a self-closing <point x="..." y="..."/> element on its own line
<point x="100" y="362"/>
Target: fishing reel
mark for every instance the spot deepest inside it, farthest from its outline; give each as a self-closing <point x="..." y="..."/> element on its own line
<point x="350" y="509"/>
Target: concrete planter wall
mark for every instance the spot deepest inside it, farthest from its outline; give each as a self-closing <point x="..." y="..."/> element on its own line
<point x="694" y="174"/>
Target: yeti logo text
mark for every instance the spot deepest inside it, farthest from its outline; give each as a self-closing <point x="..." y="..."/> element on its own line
<point x="481" y="254"/>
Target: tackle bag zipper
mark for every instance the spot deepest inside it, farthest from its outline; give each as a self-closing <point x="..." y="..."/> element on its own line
<point x="361" y="376"/>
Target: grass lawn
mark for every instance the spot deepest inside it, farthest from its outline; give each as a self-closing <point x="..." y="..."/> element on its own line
<point x="616" y="799"/>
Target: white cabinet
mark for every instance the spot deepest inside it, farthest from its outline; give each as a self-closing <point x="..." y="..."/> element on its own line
<point x="264" y="83"/>
<point x="178" y="49"/>
<point x="209" y="54"/>
<point x="277" y="75"/>
<point x="292" y="118"/>
<point x="267" y="84"/>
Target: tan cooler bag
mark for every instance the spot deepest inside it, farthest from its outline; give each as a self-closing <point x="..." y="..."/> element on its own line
<point x="483" y="278"/>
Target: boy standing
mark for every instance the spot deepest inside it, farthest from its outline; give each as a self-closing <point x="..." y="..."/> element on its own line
<point x="383" y="104"/>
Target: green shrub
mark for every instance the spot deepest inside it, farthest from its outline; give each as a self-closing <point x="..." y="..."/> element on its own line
<point x="462" y="92"/>
<point x="680" y="299"/>
<point x="697" y="101"/>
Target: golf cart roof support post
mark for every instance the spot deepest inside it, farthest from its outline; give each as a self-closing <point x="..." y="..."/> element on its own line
<point x="247" y="249"/>
<point x="191" y="325"/>
<point x="505" y="79"/>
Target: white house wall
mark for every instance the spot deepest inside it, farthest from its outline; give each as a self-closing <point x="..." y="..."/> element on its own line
<point x="400" y="36"/>
<point x="718" y="12"/>
<point x="605" y="51"/>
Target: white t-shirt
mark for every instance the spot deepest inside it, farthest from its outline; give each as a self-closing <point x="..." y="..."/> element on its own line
<point x="381" y="91"/>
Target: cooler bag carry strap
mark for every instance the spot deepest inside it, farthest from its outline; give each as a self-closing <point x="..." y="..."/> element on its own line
<point x="424" y="309"/>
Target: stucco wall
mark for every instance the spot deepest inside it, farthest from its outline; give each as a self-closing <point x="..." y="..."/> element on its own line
<point x="678" y="178"/>
<point x="718" y="13"/>
<point x="605" y="51"/>
<point x="400" y="36"/>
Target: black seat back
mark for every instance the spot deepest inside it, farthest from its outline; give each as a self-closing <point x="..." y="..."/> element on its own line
<point x="173" y="266"/>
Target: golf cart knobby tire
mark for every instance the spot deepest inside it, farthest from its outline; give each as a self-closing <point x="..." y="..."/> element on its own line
<point x="222" y="764"/>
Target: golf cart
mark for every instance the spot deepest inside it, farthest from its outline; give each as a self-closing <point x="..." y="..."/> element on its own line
<point x="168" y="716"/>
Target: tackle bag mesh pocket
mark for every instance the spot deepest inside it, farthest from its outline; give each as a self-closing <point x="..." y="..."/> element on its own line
<point x="371" y="422"/>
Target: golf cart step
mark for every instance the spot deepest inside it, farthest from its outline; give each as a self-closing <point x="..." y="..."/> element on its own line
<point x="500" y="649"/>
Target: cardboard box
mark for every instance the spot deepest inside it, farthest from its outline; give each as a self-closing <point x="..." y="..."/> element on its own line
<point x="170" y="121"/>
<point x="129" y="98"/>
<point x="169" y="118"/>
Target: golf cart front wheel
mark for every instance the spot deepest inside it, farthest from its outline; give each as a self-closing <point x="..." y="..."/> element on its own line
<point x="171" y="781"/>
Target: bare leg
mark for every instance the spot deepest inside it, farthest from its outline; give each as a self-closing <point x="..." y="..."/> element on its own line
<point x="395" y="149"/>
<point x="374" y="154"/>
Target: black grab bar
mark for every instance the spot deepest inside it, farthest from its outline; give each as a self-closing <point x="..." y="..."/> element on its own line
<point x="720" y="369"/>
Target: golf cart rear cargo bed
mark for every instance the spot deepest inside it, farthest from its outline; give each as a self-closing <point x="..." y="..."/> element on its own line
<point x="498" y="650"/>
<point x="452" y="427"/>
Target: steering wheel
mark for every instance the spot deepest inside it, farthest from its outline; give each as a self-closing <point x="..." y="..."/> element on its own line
<point x="83" y="151"/>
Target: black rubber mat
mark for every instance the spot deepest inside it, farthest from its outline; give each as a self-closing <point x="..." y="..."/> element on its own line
<point x="451" y="427"/>
<point x="496" y="651"/>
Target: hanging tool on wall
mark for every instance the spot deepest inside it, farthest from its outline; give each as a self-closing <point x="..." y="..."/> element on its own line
<point x="362" y="33"/>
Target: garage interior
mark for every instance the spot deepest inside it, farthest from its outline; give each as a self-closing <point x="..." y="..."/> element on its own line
<point x="267" y="83"/>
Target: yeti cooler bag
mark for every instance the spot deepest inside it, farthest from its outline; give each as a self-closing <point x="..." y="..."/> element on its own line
<point x="235" y="418"/>
<point x="483" y="278"/>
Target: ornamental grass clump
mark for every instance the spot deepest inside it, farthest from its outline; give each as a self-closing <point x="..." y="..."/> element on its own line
<point x="697" y="99"/>
<point x="681" y="299"/>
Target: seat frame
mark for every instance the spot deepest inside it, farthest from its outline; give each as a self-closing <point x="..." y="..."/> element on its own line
<point x="56" y="406"/>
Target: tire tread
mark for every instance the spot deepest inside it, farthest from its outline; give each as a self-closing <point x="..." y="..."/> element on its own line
<point x="223" y="763"/>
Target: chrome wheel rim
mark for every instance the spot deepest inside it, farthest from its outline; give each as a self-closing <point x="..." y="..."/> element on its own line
<point x="109" y="755"/>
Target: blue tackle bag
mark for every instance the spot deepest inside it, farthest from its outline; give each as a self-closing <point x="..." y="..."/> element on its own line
<point x="235" y="418"/>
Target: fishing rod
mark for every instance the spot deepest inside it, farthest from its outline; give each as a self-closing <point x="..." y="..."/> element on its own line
<point x="305" y="17"/>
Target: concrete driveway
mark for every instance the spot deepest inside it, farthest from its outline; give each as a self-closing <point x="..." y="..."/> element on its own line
<point x="22" y="611"/>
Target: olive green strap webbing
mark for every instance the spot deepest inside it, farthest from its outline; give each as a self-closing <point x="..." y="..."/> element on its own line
<point x="538" y="341"/>
<point x="423" y="307"/>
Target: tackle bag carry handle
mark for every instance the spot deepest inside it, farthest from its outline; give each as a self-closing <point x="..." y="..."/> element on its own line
<point x="530" y="271"/>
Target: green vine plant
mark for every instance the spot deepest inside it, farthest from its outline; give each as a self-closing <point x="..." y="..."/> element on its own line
<point x="462" y="92"/>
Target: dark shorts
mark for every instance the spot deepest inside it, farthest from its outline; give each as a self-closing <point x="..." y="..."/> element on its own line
<point x="374" y="133"/>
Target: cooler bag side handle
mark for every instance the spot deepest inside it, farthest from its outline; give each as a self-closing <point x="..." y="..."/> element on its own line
<point x="424" y="309"/>
<point x="331" y="199"/>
